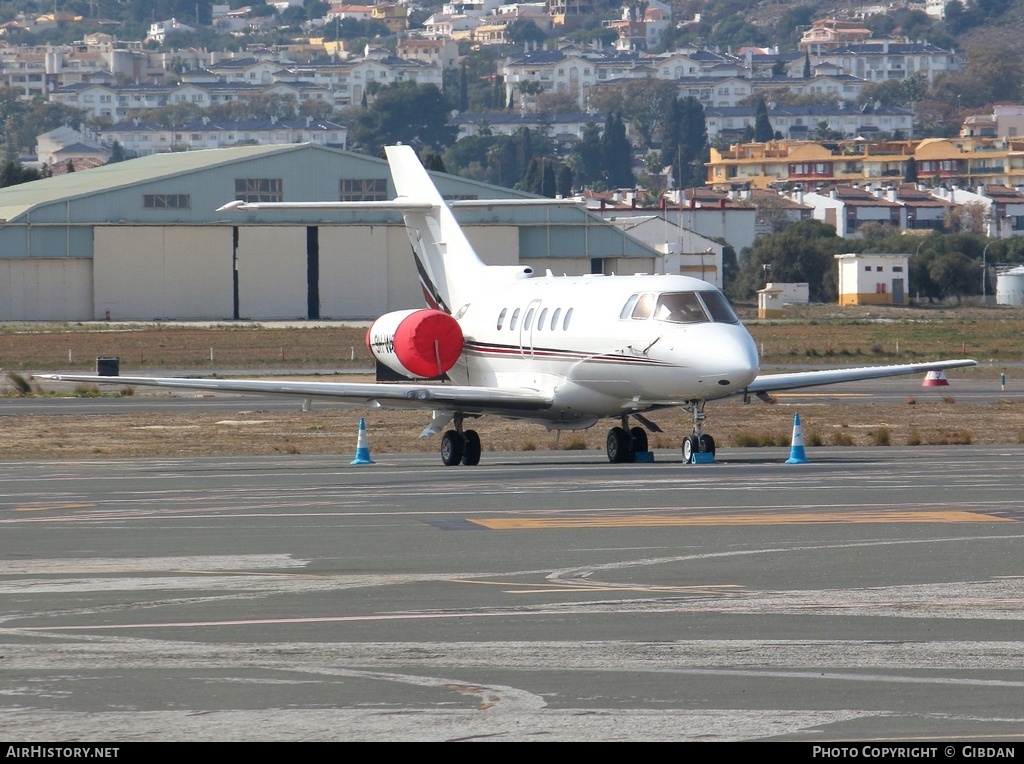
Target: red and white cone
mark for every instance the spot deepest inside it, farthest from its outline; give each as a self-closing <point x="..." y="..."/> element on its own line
<point x="935" y="379"/>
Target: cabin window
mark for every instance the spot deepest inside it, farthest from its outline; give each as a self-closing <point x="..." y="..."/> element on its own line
<point x="501" y="318"/>
<point x="565" y="324"/>
<point x="554" y="319"/>
<point x="514" y="321"/>
<point x="528" y="321"/>
<point x="542" y="319"/>
<point x="462" y="311"/>
<point x="680" y="308"/>
<point x="627" y="309"/>
<point x="719" y="308"/>
<point x="644" y="307"/>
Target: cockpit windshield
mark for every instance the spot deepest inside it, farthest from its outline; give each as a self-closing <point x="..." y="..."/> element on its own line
<point x="680" y="307"/>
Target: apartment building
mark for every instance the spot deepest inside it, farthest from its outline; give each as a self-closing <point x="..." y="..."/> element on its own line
<point x="144" y="138"/>
<point x="965" y="162"/>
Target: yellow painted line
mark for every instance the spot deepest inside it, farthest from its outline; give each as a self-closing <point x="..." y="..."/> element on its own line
<point x="43" y="507"/>
<point x="794" y="518"/>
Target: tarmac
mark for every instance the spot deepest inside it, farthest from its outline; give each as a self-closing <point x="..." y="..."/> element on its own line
<point x="868" y="595"/>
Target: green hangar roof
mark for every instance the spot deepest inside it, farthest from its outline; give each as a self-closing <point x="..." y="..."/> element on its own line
<point x="53" y="217"/>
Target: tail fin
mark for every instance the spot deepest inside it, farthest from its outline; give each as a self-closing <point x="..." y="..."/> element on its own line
<point x="448" y="266"/>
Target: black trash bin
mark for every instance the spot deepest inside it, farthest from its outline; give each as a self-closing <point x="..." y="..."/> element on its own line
<point x="108" y="367"/>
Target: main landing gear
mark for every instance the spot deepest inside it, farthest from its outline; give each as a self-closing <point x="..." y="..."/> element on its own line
<point x="624" y="442"/>
<point x="460" y="446"/>
<point x="698" y="442"/>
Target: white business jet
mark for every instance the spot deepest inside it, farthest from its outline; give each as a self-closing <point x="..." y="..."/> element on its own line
<point x="564" y="352"/>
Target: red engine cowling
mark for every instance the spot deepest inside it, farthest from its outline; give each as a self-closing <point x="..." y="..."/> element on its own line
<point x="416" y="343"/>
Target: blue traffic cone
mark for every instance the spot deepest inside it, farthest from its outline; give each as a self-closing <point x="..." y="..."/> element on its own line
<point x="362" y="447"/>
<point x="796" y="453"/>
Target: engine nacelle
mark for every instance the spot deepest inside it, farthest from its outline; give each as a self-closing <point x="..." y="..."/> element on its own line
<point x="416" y="343"/>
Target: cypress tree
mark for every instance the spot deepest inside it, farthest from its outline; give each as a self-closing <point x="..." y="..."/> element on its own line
<point x="548" y="184"/>
<point x="762" y="125"/>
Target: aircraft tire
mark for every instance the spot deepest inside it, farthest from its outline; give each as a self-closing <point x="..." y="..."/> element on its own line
<point x="617" y="446"/>
<point x="689" y="448"/>
<point x="638" y="439"/>
<point x="706" y="444"/>
<point x="452" y="448"/>
<point x="471" y="448"/>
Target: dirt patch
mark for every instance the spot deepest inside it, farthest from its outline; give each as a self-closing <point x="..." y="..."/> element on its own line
<point x="324" y="430"/>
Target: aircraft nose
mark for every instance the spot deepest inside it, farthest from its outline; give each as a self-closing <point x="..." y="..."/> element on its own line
<point x="731" y="359"/>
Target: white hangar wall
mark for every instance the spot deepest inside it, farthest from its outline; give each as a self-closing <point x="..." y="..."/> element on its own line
<point x="42" y="288"/>
<point x="150" y="272"/>
<point x="185" y="272"/>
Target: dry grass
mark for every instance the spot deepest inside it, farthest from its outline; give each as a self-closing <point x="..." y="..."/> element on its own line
<point x="324" y="430"/>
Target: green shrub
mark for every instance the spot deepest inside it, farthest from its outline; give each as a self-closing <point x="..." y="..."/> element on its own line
<point x="21" y="385"/>
<point x="880" y="437"/>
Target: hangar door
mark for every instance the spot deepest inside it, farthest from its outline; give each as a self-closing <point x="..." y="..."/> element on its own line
<point x="156" y="272"/>
<point x="272" y="271"/>
<point x="329" y="272"/>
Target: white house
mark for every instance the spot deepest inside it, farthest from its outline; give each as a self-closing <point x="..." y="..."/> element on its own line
<point x="873" y="279"/>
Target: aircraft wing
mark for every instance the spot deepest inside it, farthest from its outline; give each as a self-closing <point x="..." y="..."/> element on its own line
<point x="768" y="383"/>
<point x="471" y="400"/>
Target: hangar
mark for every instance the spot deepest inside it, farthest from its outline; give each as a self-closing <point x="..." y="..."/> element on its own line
<point x="142" y="239"/>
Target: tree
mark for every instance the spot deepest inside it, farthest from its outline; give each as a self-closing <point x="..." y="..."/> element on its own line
<point x="939" y="275"/>
<point x="548" y="187"/>
<point x="910" y="173"/>
<point x="563" y="184"/>
<point x="116" y="153"/>
<point x="433" y="161"/>
<point x="645" y="103"/>
<point x="763" y="131"/>
<point x="13" y="174"/>
<point x="617" y="154"/>
<point x="803" y="252"/>
<point x="586" y="157"/>
<point x="533" y="179"/>
<point x="685" y="141"/>
<point x="522" y="31"/>
<point x="404" y="112"/>
<point x="971" y="217"/>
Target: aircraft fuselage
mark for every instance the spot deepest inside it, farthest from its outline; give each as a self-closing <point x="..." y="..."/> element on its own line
<point x="606" y="345"/>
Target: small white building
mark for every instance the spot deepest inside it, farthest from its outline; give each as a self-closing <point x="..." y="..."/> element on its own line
<point x="873" y="279"/>
<point x="682" y="251"/>
<point x="772" y="299"/>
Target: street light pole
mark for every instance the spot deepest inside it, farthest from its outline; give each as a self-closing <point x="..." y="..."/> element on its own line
<point x="984" y="271"/>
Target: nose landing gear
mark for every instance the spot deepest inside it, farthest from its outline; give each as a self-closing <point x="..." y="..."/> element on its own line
<point x="698" y="442"/>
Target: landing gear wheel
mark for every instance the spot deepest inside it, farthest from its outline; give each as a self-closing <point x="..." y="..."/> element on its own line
<point x="452" y="445"/>
<point x="706" y="444"/>
<point x="471" y="448"/>
<point x="690" y="447"/>
<point x="618" y="446"/>
<point x="638" y="439"/>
